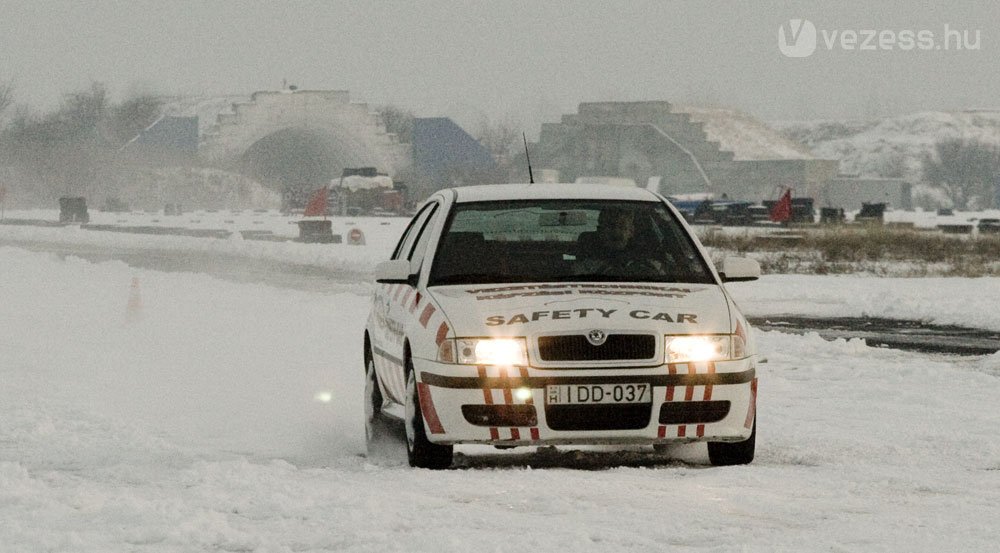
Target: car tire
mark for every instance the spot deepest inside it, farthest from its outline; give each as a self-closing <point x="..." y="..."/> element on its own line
<point x="419" y="450"/>
<point x="723" y="454"/>
<point x="379" y="434"/>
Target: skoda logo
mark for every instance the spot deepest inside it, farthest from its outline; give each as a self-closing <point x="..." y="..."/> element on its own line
<point x="596" y="337"/>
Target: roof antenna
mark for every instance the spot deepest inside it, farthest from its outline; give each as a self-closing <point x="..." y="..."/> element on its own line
<point x="531" y="176"/>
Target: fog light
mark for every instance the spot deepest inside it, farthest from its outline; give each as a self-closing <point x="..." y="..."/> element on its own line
<point x="523" y="394"/>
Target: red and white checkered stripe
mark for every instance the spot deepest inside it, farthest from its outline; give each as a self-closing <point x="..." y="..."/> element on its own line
<point x="488" y="399"/>
<point x="532" y="431"/>
<point x="690" y="392"/>
<point x="428" y="316"/>
<point x="505" y="396"/>
<point x="413" y="301"/>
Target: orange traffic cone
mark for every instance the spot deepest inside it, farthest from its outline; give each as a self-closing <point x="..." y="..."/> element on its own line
<point x="133" y="312"/>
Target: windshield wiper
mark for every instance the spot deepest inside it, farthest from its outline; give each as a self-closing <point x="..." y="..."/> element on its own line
<point x="602" y="277"/>
<point x="592" y="277"/>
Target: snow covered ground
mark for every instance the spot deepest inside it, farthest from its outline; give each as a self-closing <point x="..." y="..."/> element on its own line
<point x="892" y="146"/>
<point x="227" y="416"/>
<point x="380" y="235"/>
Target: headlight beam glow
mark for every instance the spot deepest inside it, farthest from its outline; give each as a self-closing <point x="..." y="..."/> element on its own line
<point x="484" y="351"/>
<point x="681" y="349"/>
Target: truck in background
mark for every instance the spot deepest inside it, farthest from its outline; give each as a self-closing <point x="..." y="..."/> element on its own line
<point x="365" y="191"/>
<point x="358" y="191"/>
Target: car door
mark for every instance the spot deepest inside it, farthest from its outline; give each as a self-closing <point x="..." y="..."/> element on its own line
<point x="402" y="298"/>
<point x="388" y="323"/>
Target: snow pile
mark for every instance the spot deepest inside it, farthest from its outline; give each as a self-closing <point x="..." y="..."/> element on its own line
<point x="894" y="146"/>
<point x="196" y="428"/>
<point x="358" y="182"/>
<point x="955" y="301"/>
<point x="205" y="108"/>
<point x="381" y="235"/>
<point x="746" y="137"/>
<point x="154" y="187"/>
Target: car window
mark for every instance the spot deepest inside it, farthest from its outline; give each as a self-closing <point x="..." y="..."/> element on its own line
<point x="566" y="240"/>
<point x="405" y="244"/>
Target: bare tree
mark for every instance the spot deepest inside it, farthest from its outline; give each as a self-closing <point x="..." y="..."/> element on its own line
<point x="503" y="141"/>
<point x="65" y="151"/>
<point x="130" y="117"/>
<point x="83" y="111"/>
<point x="6" y="96"/>
<point x="967" y="171"/>
<point x="398" y="121"/>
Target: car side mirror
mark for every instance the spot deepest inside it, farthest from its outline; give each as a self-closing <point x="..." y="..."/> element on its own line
<point x="395" y="271"/>
<point x="739" y="269"/>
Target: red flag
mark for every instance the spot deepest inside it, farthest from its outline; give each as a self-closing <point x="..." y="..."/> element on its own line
<point x="782" y="211"/>
<point x="317" y="204"/>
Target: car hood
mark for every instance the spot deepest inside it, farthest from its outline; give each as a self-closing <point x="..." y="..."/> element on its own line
<point x="532" y="309"/>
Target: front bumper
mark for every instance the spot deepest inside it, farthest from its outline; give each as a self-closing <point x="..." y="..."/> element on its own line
<point x="507" y="405"/>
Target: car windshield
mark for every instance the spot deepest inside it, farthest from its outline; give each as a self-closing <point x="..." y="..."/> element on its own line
<point x="563" y="241"/>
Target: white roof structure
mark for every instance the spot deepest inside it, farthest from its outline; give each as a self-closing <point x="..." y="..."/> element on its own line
<point x="747" y="137"/>
<point x="358" y="182"/>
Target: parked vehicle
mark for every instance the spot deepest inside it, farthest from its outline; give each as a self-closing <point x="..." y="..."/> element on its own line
<point x="73" y="209"/>
<point x="988" y="226"/>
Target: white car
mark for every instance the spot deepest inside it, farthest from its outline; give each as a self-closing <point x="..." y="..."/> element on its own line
<point x="540" y="314"/>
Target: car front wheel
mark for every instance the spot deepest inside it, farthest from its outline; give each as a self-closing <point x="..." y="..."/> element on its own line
<point x="420" y="451"/>
<point x="723" y="454"/>
<point x="380" y="433"/>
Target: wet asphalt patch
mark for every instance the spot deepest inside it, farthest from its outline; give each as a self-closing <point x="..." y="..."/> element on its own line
<point x="891" y="333"/>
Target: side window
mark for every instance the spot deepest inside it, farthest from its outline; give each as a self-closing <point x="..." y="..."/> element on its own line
<point x="406" y="242"/>
<point x="420" y="247"/>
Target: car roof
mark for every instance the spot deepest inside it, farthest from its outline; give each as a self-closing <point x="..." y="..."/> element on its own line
<point x="550" y="191"/>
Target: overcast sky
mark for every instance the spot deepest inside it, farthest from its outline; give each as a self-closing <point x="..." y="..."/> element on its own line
<point x="526" y="61"/>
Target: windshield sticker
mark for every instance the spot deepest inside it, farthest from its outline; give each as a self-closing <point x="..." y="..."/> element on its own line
<point x="533" y="290"/>
<point x="591" y="313"/>
<point x="508" y="295"/>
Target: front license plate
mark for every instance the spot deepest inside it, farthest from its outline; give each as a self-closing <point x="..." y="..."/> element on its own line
<point x="575" y="394"/>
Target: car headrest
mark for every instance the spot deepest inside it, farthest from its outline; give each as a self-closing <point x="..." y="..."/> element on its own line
<point x="462" y="242"/>
<point x="588" y="243"/>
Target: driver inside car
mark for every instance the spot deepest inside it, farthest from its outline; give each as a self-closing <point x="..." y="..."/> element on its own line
<point x="614" y="250"/>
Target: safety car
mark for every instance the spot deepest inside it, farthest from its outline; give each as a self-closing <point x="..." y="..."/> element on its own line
<point x="552" y="314"/>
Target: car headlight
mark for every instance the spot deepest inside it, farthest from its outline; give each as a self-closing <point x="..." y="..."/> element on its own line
<point x="684" y="349"/>
<point x="483" y="351"/>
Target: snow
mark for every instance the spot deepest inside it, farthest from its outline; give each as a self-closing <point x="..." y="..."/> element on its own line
<point x="893" y="146"/>
<point x="199" y="425"/>
<point x="381" y="235"/>
<point x="746" y="137"/>
<point x="956" y="301"/>
<point x="930" y="219"/>
<point x="205" y="108"/>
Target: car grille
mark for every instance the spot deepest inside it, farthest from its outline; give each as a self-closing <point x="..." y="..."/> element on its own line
<point x="617" y="347"/>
